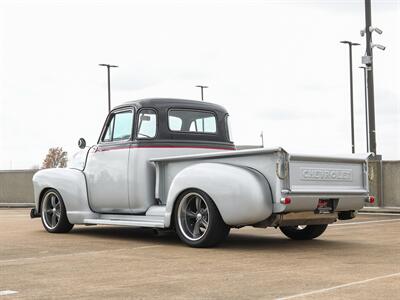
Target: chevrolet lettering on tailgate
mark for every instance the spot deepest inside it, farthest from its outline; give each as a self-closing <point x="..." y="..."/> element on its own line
<point x="326" y="174"/>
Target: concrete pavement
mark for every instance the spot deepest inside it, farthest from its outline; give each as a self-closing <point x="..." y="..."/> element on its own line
<point x="357" y="259"/>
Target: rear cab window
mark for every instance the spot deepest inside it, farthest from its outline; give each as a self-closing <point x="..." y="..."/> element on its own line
<point x="193" y="121"/>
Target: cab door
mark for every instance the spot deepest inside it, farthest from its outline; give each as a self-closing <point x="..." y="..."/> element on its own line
<point x="107" y="165"/>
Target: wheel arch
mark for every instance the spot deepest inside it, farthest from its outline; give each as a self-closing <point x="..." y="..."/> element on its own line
<point x="242" y="195"/>
<point x="41" y="195"/>
<point x="70" y="184"/>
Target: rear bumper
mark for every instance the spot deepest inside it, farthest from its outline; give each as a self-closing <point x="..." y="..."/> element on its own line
<point x="309" y="202"/>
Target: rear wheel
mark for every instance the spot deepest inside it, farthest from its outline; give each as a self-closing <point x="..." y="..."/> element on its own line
<point x="198" y="222"/>
<point x="307" y="232"/>
<point x="54" y="214"/>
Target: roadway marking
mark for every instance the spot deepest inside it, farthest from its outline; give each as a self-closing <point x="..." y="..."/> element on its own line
<point x="7" y="292"/>
<point x="338" y="287"/>
<point x="17" y="260"/>
<point x="366" y="222"/>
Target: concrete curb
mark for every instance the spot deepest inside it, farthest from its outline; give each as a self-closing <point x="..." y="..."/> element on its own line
<point x="390" y="210"/>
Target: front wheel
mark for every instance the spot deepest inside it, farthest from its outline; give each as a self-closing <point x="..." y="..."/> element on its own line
<point x="198" y="222"/>
<point x="307" y="232"/>
<point x="54" y="214"/>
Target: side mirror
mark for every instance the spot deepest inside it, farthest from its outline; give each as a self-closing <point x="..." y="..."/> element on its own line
<point x="82" y="143"/>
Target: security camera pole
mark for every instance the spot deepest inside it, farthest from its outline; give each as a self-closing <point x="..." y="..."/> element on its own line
<point x="202" y="87"/>
<point x="368" y="61"/>
<point x="108" y="79"/>
<point x="365" y="69"/>
<point x="351" y="91"/>
<point x="370" y="78"/>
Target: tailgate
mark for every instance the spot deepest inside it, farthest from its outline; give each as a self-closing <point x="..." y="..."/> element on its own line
<point x="328" y="175"/>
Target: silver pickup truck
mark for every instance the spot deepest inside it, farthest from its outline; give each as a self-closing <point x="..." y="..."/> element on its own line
<point x="171" y="164"/>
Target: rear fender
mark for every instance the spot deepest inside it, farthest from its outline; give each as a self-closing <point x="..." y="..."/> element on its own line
<point x="71" y="184"/>
<point x="242" y="195"/>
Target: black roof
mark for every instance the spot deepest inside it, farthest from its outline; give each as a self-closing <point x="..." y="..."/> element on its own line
<point x="172" y="102"/>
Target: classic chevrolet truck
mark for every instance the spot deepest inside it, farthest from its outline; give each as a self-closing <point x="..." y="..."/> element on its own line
<point x="171" y="164"/>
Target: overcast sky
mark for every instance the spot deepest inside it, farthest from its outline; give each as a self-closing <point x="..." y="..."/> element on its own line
<point x="277" y="66"/>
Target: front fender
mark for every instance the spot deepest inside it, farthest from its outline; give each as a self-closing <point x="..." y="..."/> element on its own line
<point x="71" y="184"/>
<point x="242" y="195"/>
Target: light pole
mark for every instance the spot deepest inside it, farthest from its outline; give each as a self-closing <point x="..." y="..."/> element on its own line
<point x="351" y="91"/>
<point x="262" y="138"/>
<point x="108" y="80"/>
<point x="366" y="105"/>
<point x="202" y="87"/>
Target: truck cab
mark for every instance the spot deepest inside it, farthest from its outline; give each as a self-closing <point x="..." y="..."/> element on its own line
<point x="120" y="177"/>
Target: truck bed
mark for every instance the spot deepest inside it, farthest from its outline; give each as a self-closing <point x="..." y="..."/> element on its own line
<point x="305" y="178"/>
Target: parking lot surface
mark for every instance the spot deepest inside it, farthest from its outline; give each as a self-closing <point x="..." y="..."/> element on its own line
<point x="357" y="259"/>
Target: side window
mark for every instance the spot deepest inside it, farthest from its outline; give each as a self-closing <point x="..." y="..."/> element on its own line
<point x="147" y="126"/>
<point x="120" y="127"/>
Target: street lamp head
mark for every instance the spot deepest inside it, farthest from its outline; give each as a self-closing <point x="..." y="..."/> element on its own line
<point x="107" y="65"/>
<point x="350" y="43"/>
<point x="202" y="86"/>
<point x="376" y="29"/>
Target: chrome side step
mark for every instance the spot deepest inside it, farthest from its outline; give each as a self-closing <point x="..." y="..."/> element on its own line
<point x="154" y="218"/>
<point x="134" y="221"/>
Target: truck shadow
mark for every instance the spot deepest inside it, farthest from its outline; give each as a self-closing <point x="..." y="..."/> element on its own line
<point x="235" y="241"/>
<point x="240" y="241"/>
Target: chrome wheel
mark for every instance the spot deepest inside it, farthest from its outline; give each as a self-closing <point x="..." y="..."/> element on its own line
<point x="193" y="216"/>
<point x="51" y="210"/>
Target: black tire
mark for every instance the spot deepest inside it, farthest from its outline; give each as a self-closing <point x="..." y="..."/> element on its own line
<point x="216" y="230"/>
<point x="53" y="213"/>
<point x="308" y="232"/>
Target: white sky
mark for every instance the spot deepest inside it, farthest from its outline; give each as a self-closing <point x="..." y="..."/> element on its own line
<point x="277" y="66"/>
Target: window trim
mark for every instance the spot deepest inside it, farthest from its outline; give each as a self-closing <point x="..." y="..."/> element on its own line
<point x="194" y="132"/>
<point x="108" y="120"/>
<point x="137" y="125"/>
<point x="228" y="127"/>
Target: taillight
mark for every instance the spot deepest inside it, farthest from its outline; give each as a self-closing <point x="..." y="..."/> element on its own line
<point x="370" y="200"/>
<point x="286" y="200"/>
<point x="323" y="203"/>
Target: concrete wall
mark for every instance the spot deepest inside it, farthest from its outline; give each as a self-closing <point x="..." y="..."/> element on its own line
<point x="16" y="186"/>
<point x="391" y="183"/>
<point x="384" y="181"/>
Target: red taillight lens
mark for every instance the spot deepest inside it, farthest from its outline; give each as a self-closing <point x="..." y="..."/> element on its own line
<point x="323" y="203"/>
<point x="286" y="200"/>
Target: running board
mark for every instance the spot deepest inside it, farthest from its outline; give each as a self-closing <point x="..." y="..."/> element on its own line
<point x="134" y="221"/>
